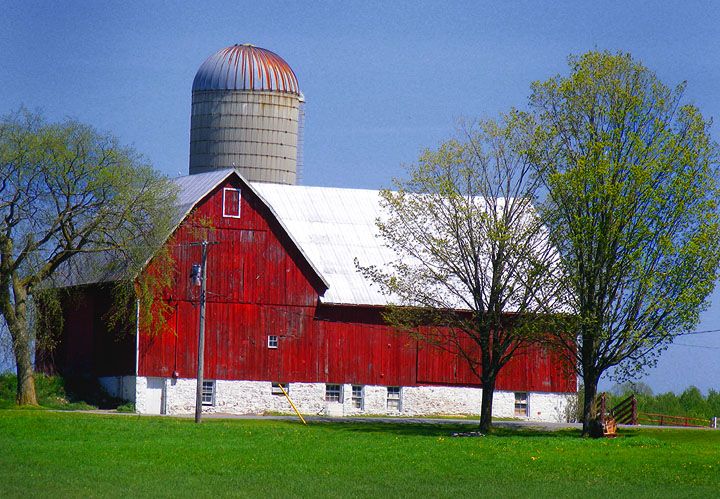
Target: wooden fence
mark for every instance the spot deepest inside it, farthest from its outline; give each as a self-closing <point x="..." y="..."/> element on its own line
<point x="649" y="418"/>
<point x="626" y="412"/>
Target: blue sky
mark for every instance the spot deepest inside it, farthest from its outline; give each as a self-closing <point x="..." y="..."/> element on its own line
<point x="382" y="80"/>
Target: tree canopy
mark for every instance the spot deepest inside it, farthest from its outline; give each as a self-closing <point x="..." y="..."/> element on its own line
<point x="67" y="191"/>
<point x="473" y="257"/>
<point x="631" y="179"/>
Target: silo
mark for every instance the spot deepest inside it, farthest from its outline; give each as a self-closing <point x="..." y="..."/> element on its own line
<point x="245" y="108"/>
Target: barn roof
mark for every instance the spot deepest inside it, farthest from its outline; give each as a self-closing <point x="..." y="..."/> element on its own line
<point x="333" y="226"/>
<point x="330" y="226"/>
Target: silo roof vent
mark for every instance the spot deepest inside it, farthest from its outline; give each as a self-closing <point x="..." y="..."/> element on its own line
<point x="246" y="67"/>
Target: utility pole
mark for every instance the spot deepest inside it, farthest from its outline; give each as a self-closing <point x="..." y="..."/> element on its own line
<point x="201" y="335"/>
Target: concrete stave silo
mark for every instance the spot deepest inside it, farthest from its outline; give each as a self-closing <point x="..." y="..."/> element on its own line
<point x="246" y="104"/>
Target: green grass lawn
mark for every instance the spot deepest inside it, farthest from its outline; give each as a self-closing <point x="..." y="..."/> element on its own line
<point x="58" y="454"/>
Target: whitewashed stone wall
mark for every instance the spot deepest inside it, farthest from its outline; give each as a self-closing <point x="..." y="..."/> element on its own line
<point x="551" y="406"/>
<point x="141" y="395"/>
<point x="255" y="397"/>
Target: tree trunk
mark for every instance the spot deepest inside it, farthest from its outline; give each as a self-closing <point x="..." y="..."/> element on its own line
<point x="25" y="376"/>
<point x="591" y="383"/>
<point x="15" y="313"/>
<point x="488" y="391"/>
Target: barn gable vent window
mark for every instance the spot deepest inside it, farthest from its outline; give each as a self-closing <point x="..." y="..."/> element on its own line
<point x="333" y="393"/>
<point x="358" y="396"/>
<point x="231" y="202"/>
<point x="272" y="341"/>
<point x="208" y="392"/>
<point x="394" y="401"/>
<point x="276" y="390"/>
<point x="521" y="404"/>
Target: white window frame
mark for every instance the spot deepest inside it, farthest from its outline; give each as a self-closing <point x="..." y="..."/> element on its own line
<point x="272" y="341"/>
<point x="225" y="190"/>
<point x="333" y="392"/>
<point x="208" y="388"/>
<point x="522" y="404"/>
<point x="394" y="397"/>
<point x="358" y="399"/>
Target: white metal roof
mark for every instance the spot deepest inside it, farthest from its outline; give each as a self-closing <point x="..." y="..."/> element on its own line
<point x="192" y="188"/>
<point x="333" y="226"/>
<point x="330" y="226"/>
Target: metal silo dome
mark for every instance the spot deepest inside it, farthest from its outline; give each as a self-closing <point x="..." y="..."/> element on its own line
<point x="246" y="67"/>
<point x="246" y="104"/>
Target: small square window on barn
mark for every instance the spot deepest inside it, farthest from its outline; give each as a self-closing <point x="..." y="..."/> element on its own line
<point x="333" y="393"/>
<point x="394" y="402"/>
<point x="208" y="392"/>
<point x="358" y="393"/>
<point x="521" y="404"/>
<point x="231" y="203"/>
<point x="276" y="390"/>
<point x="272" y="341"/>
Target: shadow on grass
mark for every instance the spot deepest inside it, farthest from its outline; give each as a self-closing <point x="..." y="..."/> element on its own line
<point x="441" y="429"/>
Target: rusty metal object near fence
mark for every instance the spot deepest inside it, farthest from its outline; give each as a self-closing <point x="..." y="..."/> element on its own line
<point x="605" y="417"/>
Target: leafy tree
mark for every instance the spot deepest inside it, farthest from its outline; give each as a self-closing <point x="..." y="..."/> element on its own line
<point x="623" y="390"/>
<point x="473" y="259"/>
<point x="67" y="191"/>
<point x="631" y="179"/>
<point x="693" y="402"/>
<point x="713" y="400"/>
<point x="665" y="403"/>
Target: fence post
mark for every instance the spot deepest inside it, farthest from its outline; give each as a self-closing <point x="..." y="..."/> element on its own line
<point x="714" y="422"/>
<point x="634" y="411"/>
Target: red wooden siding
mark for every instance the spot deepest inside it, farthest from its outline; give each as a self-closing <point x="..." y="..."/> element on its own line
<point x="260" y="285"/>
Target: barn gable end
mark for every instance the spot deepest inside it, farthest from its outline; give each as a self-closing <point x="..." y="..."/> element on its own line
<point x="257" y="280"/>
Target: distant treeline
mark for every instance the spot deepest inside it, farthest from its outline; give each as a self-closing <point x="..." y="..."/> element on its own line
<point x="690" y="403"/>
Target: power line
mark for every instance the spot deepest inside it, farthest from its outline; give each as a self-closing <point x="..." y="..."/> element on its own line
<point x="706" y="331"/>
<point x="708" y="347"/>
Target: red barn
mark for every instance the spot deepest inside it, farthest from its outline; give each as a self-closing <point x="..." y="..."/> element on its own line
<point x="285" y="304"/>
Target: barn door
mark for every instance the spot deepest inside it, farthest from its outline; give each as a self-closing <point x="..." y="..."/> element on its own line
<point x="155" y="396"/>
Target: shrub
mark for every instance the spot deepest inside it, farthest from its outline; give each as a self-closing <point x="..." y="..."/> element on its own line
<point x="127" y="407"/>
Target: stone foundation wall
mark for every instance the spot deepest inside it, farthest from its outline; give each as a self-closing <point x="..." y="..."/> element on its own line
<point x="256" y="397"/>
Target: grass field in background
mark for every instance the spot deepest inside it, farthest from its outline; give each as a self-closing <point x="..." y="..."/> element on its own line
<point x="45" y="453"/>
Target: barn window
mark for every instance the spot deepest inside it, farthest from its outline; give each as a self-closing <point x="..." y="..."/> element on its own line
<point x="276" y="390"/>
<point x="333" y="393"/>
<point x="272" y="341"/>
<point x="358" y="396"/>
<point x="393" y="398"/>
<point x="208" y="392"/>
<point x="521" y="404"/>
<point x="231" y="203"/>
